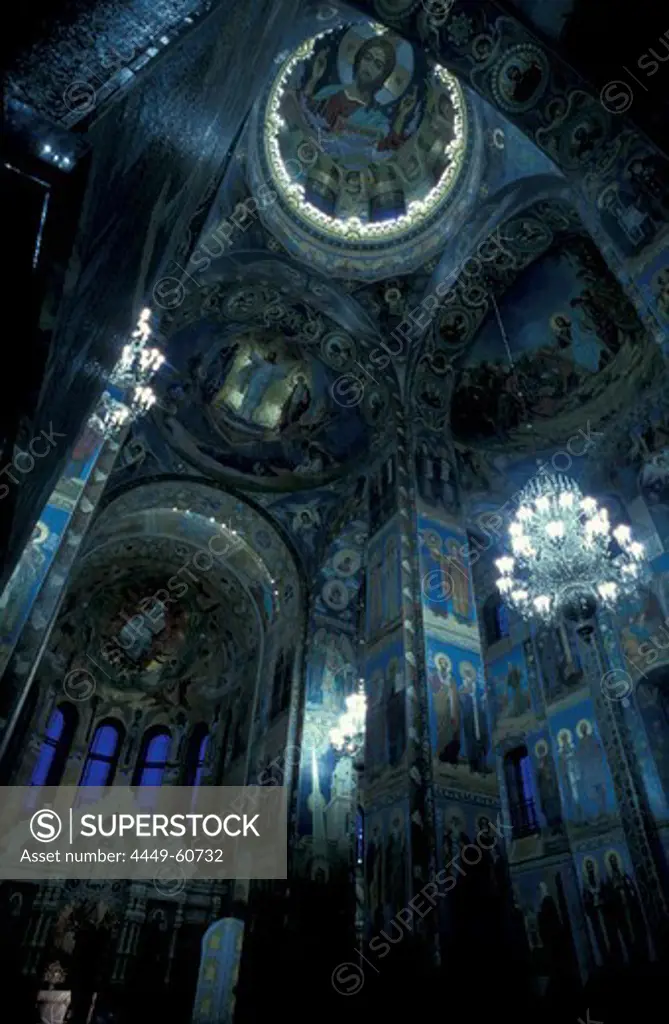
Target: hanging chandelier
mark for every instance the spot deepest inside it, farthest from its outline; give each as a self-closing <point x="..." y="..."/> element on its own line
<point x="139" y="362"/>
<point x="565" y="558"/>
<point x="348" y="735"/>
<point x="130" y="380"/>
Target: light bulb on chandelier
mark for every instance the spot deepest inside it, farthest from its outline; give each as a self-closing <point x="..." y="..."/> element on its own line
<point x="565" y="559"/>
<point x="131" y="376"/>
<point x="348" y="734"/>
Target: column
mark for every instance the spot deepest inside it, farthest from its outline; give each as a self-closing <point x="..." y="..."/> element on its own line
<point x="400" y="838"/>
<point x="24" y="660"/>
<point x="613" y="714"/>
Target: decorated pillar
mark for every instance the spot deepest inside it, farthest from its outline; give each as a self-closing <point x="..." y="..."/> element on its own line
<point x="24" y="660"/>
<point x="469" y="841"/>
<point x="325" y="786"/>
<point x="24" y="586"/>
<point x="614" y="712"/>
<point x="400" y="840"/>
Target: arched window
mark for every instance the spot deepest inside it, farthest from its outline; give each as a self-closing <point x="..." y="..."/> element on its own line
<point x="495" y="619"/>
<point x="103" y="755"/>
<point x="281" y="685"/>
<point x="152" y="759"/>
<point x="520" y="789"/>
<point x="196" y="755"/>
<point x="503" y="619"/>
<point x="48" y="770"/>
<point x="360" y="836"/>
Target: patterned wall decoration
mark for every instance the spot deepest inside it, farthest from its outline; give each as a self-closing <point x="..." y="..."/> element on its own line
<point x="183" y="645"/>
<point x="338" y="584"/>
<point x="538" y="260"/>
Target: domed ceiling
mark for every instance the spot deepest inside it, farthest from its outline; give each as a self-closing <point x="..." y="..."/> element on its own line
<point x="576" y="349"/>
<point x="365" y="146"/>
<point x="147" y="632"/>
<point x="557" y="354"/>
<point x="255" y="392"/>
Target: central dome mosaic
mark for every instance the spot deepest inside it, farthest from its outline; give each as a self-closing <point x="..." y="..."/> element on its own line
<point x="364" y="140"/>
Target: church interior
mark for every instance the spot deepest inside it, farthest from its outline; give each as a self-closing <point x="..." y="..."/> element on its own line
<point x="337" y="459"/>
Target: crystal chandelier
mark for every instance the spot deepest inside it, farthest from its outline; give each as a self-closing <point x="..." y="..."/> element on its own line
<point x="130" y="378"/>
<point x="566" y="560"/>
<point x="348" y="735"/>
<point x="138" y="362"/>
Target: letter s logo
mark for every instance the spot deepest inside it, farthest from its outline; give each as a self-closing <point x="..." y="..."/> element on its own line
<point x="45" y="826"/>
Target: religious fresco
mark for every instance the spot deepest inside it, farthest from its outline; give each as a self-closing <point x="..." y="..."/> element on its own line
<point x="574" y="340"/>
<point x="473" y="909"/>
<point x="546" y="790"/>
<point x="436" y="477"/>
<point x="384" y="581"/>
<point x="386" y="864"/>
<point x="337" y="587"/>
<point x="263" y="407"/>
<point x="23" y="586"/>
<point x="586" y="786"/>
<point x="25" y="582"/>
<point x="548" y="903"/>
<point x="382" y="493"/>
<point x="521" y="78"/>
<point x="643" y="629"/>
<point x="508" y="690"/>
<point x="331" y="672"/>
<point x="385" y="686"/>
<point x="652" y="741"/>
<point x="447" y="590"/>
<point x="143" y="633"/>
<point x="258" y="384"/>
<point x="616" y="926"/>
<point x="460" y="726"/>
<point x="559" y="660"/>
<point x="362" y="139"/>
<point x="634" y="209"/>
